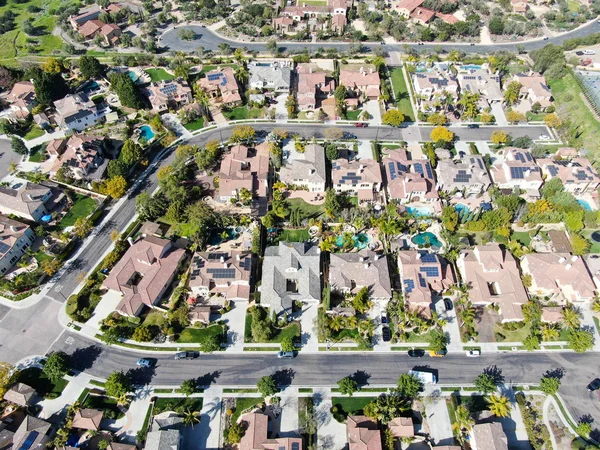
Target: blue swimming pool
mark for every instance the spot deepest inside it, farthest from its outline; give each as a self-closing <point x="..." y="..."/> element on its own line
<point x="427" y="238"/>
<point x="146" y="133"/>
<point x="418" y="211"/>
<point x="585" y="205"/>
<point x="134" y="77"/>
<point x="361" y="241"/>
<point x="470" y="66"/>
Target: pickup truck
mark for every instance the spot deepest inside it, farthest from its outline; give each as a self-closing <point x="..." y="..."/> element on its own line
<point x="187" y="355"/>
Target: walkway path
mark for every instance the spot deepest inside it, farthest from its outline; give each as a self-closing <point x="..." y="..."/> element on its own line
<point x="135" y="417"/>
<point x="331" y="434"/>
<point x="53" y="409"/>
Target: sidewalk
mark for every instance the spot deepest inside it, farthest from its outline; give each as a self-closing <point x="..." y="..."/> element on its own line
<point x="55" y="408"/>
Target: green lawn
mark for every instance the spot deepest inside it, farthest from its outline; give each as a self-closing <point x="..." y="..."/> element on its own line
<point x="34" y="132"/>
<point x="351" y="405"/>
<point x="514" y="336"/>
<point x="300" y="235"/>
<point x="104" y="403"/>
<point x="425" y="337"/>
<point x="209" y="68"/>
<point x="566" y="93"/>
<point x="159" y="74"/>
<point x="82" y="207"/>
<point x="243" y="113"/>
<point x="40" y="256"/>
<point x="180" y="229"/>
<point x="353" y="115"/>
<point x="292" y="330"/>
<point x="242" y="404"/>
<point x="37" y="154"/>
<point x="38" y="380"/>
<point x="307" y="210"/>
<point x="195" y="335"/>
<point x="163" y="404"/>
<point x="594" y="246"/>
<point x="521" y="236"/>
<point x="401" y="91"/>
<point x="195" y="125"/>
<point x="531" y="117"/>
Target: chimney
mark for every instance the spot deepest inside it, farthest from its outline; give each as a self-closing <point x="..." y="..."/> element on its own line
<point x="13" y="228"/>
<point x="224" y="265"/>
<point x="568" y="266"/>
<point x="362" y="69"/>
<point x="418" y="255"/>
<point x="361" y="167"/>
<point x="371" y="70"/>
<point x="237" y="257"/>
<point x="130" y="240"/>
<point x="222" y="259"/>
<point x="377" y="257"/>
<point x="573" y="258"/>
<point x="367" y="265"/>
<point x="311" y="171"/>
<point x="361" y="258"/>
<point x="310" y="70"/>
<point x="562" y="259"/>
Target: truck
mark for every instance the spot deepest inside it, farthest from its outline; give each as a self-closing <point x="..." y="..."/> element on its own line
<point x="187" y="355"/>
<point x="424" y="377"/>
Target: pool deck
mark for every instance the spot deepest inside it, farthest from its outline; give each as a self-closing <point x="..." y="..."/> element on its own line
<point x="471" y="202"/>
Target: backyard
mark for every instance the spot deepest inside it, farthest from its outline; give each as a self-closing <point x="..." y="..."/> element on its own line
<point x="196" y="335"/>
<point x="83" y="206"/>
<point x="401" y="92"/>
<point x="307" y="211"/>
<point x="38" y="380"/>
<point x="159" y="74"/>
<point x="300" y="235"/>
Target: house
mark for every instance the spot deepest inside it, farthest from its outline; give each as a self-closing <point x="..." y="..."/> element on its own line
<point x="357" y="178"/>
<point x="256" y="435"/>
<point x="163" y="440"/>
<point x="519" y="6"/>
<point x="199" y="314"/>
<point x="291" y="272"/>
<point x="423" y="275"/>
<point x="76" y="112"/>
<point x="33" y="433"/>
<point x="578" y="176"/>
<point x="22" y="99"/>
<point x="350" y="272"/>
<point x="88" y="419"/>
<point x="83" y="157"/>
<point x="468" y="175"/>
<point x="517" y="169"/>
<point x="489" y="436"/>
<point x="402" y="427"/>
<point x="338" y="24"/>
<point x="314" y="85"/>
<point x="220" y="84"/>
<point x="481" y="81"/>
<point x="244" y="168"/>
<point x="144" y="273"/>
<point x="221" y="276"/>
<point x="284" y="25"/>
<point x="406" y="7"/>
<point x="422" y="15"/>
<point x="433" y="84"/>
<point x="169" y="94"/>
<point x="362" y="434"/>
<point x="20" y="394"/>
<point x="448" y="18"/>
<point x="56" y="147"/>
<point x="85" y="14"/>
<point x="273" y="76"/>
<point x="90" y="29"/>
<point x="560" y="276"/>
<point x="15" y="240"/>
<point x="409" y="180"/>
<point x="27" y="201"/>
<point x="111" y="33"/>
<point x="308" y="170"/>
<point x="534" y="88"/>
<point x="493" y="276"/>
<point x="360" y="80"/>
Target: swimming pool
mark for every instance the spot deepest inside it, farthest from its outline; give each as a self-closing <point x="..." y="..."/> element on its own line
<point x="146" y="133"/>
<point x="470" y="66"/>
<point x="426" y="238"/>
<point x="361" y="240"/>
<point x="134" y="76"/>
<point x="585" y="205"/>
<point x="418" y="210"/>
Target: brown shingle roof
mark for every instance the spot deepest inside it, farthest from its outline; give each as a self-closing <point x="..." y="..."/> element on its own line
<point x="88" y="419"/>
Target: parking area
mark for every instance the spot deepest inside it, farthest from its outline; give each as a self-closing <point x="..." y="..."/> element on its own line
<point x="7" y="157"/>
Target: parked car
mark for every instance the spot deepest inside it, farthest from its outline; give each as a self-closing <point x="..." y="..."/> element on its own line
<point x="579" y="53"/>
<point x="473" y="353"/>
<point x="383" y="317"/>
<point x="545" y="38"/>
<point x="387" y="334"/>
<point x="473" y="125"/>
<point x="144" y="362"/>
<point x="361" y="125"/>
<point x="589" y="52"/>
<point x="448" y="304"/>
<point x="285" y="355"/>
<point x="594" y="385"/>
<point x="439" y="354"/>
<point x="416" y="353"/>
<point x="187" y="355"/>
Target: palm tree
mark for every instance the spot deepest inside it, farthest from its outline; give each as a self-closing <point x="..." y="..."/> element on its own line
<point x="337" y="323"/>
<point x="328" y="244"/>
<point x="13" y="167"/>
<point x="203" y="101"/>
<point x="123" y="400"/>
<point x="191" y="417"/>
<point x="499" y="405"/>
<point x="596" y="305"/>
<point x="550" y="332"/>
<point x="463" y="419"/>
<point x="571" y="317"/>
<point x="366" y="327"/>
<point x="241" y="74"/>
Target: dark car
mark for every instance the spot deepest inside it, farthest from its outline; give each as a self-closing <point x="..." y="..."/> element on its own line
<point x="456" y="115"/>
<point x="387" y="334"/>
<point x="448" y="304"/>
<point x="473" y="125"/>
<point x="416" y="353"/>
<point x="594" y="385"/>
<point x="187" y="355"/>
<point x="579" y="53"/>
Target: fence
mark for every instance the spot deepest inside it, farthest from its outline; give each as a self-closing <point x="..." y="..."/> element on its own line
<point x="589" y="83"/>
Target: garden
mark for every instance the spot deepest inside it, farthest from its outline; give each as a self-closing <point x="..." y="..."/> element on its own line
<point x="262" y="328"/>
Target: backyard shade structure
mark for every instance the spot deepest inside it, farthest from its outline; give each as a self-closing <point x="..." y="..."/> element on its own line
<point x="88" y="419"/>
<point x="19" y="394"/>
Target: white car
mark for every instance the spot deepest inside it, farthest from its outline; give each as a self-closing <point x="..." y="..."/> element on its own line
<point x="544" y="137"/>
<point x="589" y="52"/>
<point x="473" y="353"/>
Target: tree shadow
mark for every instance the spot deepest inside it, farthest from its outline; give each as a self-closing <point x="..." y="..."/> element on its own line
<point x="496" y="373"/>
<point x="361" y="377"/>
<point x="141" y="375"/>
<point x="559" y="372"/>
<point x="284" y="377"/>
<point x="207" y="379"/>
<point x="84" y="358"/>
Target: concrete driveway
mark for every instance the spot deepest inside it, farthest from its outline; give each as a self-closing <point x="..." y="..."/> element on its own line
<point x="7" y="157"/>
<point x="372" y="107"/>
<point x="236" y="321"/>
<point x="280" y="109"/>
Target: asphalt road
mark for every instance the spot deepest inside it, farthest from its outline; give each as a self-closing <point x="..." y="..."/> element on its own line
<point x="7" y="157"/>
<point x="325" y="369"/>
<point x="210" y="41"/>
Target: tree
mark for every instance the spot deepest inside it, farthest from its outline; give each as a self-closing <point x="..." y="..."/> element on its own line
<point x="18" y="146"/>
<point x="52" y="65"/>
<point x="115" y="187"/>
<point x="272" y="46"/>
<point x="464" y="421"/>
<point x="532" y="342"/>
<point x="553" y="120"/>
<point x="437" y="119"/>
<point x="125" y="88"/>
<point x="332" y="203"/>
<point x="361" y="300"/>
<point x="485" y="383"/>
<point x="267" y="386"/>
<point x="499" y="405"/>
<point x="131" y="152"/>
<point x="142" y="334"/>
<point x="442" y="134"/>
<point x="6" y="376"/>
<point x="549" y="385"/>
<point x="580" y="244"/>
<point x="515" y="116"/>
<point x="242" y="133"/>
<point x="512" y="92"/>
<point x="580" y="340"/>
<point x="191" y="417"/>
<point x="56" y="366"/>
<point x="117" y="384"/>
<point x="386" y="407"/>
<point x="188" y="387"/>
<point x="235" y="433"/>
<point x="347" y="386"/>
<point x="583" y="428"/>
<point x="499" y="137"/>
<point x="409" y="386"/>
<point x="210" y="342"/>
<point x="186" y="34"/>
<point x="117" y="167"/>
<point x="287" y="344"/>
<point x="82" y="227"/>
<point x="393" y="117"/>
<point x="438" y="342"/>
<point x="331" y="151"/>
<point x="90" y="67"/>
<point x="450" y="218"/>
<point x="571" y="318"/>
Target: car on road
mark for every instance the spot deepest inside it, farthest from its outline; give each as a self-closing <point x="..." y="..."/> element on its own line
<point x="589" y="52"/>
<point x="383" y="317"/>
<point x="448" y="304"/>
<point x="579" y="53"/>
<point x="144" y="362"/>
<point x="386" y="334"/>
<point x="416" y="353"/>
<point x="473" y="125"/>
<point x="594" y="385"/>
<point x="285" y="355"/>
<point x="347" y="135"/>
<point x="361" y="125"/>
<point x="544" y="137"/>
<point x="438" y="354"/>
<point x="473" y="353"/>
<point x="187" y="355"/>
<point x="545" y="38"/>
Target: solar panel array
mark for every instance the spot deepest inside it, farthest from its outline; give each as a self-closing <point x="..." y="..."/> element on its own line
<point x="430" y="271"/>
<point x="429" y="171"/>
<point x="4" y="248"/>
<point x="418" y="168"/>
<point x="518" y="172"/>
<point x="246" y="263"/>
<point x="221" y="273"/>
<point x="553" y="171"/>
<point x="422" y="281"/>
<point x="31" y="437"/>
<point x="519" y="157"/>
<point x="352" y="177"/>
<point x="428" y="258"/>
<point x="580" y="175"/>
<point x="462" y="176"/>
<point x="392" y="167"/>
<point x="214" y="76"/>
<point x="169" y="89"/>
<point x="567" y="163"/>
<point x="409" y="285"/>
<point x="216" y="256"/>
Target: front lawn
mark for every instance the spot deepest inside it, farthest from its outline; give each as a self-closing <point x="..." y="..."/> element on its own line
<point x="242" y="404"/>
<point x="159" y="74"/>
<point x="196" y="335"/>
<point x="83" y="206"/>
<point x="348" y="406"/>
<point x="37" y="154"/>
<point x="513" y="336"/>
<point x="425" y="337"/>
<point x="292" y="330"/>
<point x="41" y="256"/>
<point x="243" y="113"/>
<point x="532" y="117"/>
<point x="163" y="404"/>
<point x="195" y="125"/>
<point x="400" y="87"/>
<point x="106" y="404"/>
<point x="34" y="132"/>
<point x="38" y="380"/>
<point x="522" y="236"/>
<point x="353" y="115"/>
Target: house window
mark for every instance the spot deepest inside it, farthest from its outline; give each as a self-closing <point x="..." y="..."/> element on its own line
<point x="494" y="288"/>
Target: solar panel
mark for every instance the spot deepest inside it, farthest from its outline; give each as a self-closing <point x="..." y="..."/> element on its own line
<point x="428" y="258"/>
<point x="295" y="446"/>
<point x="215" y="256"/>
<point x="392" y="168"/>
<point x="409" y="286"/>
<point x="214" y="76"/>
<point x="31" y="437"/>
<point x="520" y="157"/>
<point x="429" y="171"/>
<point x="221" y="273"/>
<point x="517" y="172"/>
<point x="4" y="248"/>
<point x="418" y="168"/>
<point x="246" y="263"/>
<point x="430" y="271"/>
<point x="528" y="156"/>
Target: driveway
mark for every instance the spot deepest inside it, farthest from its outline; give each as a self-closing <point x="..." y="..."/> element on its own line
<point x="107" y="305"/>
<point x="372" y="107"/>
<point x="7" y="157"/>
<point x="331" y="435"/>
<point x="20" y="338"/>
<point x="236" y="321"/>
<point x="498" y="113"/>
<point x="280" y="108"/>
<point x="310" y="340"/>
<point x="438" y="420"/>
